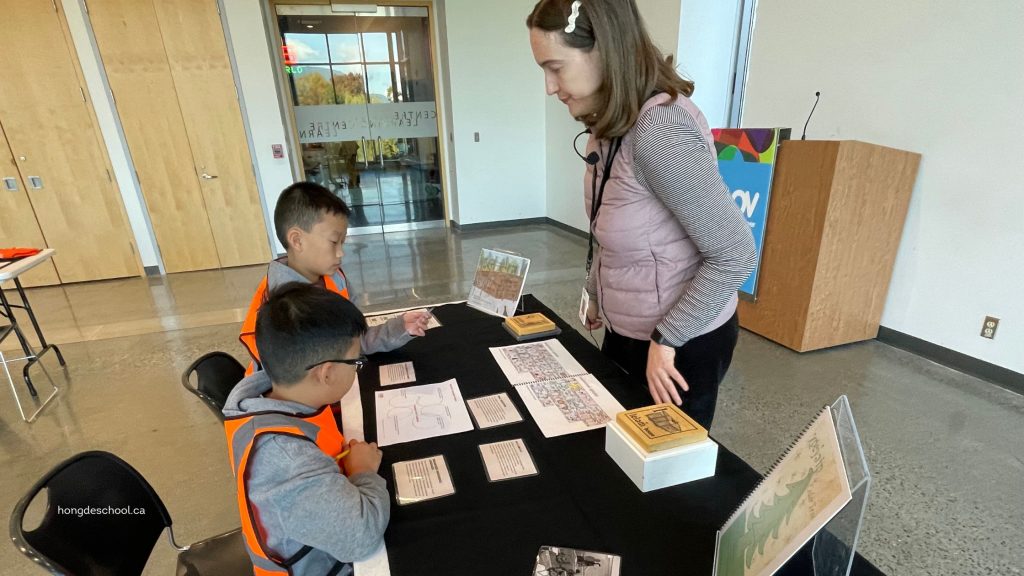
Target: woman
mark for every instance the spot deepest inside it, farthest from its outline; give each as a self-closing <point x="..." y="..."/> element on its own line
<point x="672" y="246"/>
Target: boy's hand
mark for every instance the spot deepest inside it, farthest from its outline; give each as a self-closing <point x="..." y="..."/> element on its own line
<point x="416" y="322"/>
<point x="362" y="457"/>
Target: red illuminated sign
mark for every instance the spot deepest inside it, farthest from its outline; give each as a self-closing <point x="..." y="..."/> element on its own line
<point x="286" y="55"/>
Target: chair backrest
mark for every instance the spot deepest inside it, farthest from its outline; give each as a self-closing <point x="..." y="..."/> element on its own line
<point x="215" y="374"/>
<point x="101" y="519"/>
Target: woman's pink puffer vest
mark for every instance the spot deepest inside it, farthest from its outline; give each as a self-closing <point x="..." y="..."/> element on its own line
<point x="646" y="259"/>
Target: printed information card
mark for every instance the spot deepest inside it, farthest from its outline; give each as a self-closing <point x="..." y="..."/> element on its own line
<point x="423" y="479"/>
<point x="508" y="459"/>
<point x="494" y="410"/>
<point x="401" y="373"/>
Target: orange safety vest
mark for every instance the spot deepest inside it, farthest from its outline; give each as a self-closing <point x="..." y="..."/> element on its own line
<point x="242" y="431"/>
<point x="248" y="334"/>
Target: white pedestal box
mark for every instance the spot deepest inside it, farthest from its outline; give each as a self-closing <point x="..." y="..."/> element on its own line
<point x="654" y="470"/>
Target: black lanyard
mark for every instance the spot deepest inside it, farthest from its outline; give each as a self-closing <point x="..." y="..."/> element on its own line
<point x="597" y="195"/>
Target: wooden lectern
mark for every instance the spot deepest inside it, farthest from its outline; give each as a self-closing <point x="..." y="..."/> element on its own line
<point x="834" y="224"/>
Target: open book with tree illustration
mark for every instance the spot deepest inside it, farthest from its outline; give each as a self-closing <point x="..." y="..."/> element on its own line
<point x="805" y="488"/>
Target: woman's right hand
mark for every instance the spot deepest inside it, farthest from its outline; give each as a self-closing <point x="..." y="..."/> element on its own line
<point x="593" y="316"/>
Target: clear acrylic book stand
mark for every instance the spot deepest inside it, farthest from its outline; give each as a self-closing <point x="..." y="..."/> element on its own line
<point x="835" y="544"/>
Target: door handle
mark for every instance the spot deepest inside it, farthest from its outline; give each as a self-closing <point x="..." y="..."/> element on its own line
<point x="11" y="184"/>
<point x="380" y="151"/>
<point x="206" y="176"/>
<point x="35" y="182"/>
<point x="366" y="163"/>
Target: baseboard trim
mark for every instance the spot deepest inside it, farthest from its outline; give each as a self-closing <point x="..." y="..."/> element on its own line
<point x="1002" y="377"/>
<point x="497" y="224"/>
<point x="567" y="228"/>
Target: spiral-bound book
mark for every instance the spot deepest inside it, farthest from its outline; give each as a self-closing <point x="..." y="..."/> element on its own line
<point x="559" y="393"/>
<point x="805" y="489"/>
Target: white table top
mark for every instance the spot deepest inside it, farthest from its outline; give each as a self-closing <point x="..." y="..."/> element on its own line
<point x="11" y="270"/>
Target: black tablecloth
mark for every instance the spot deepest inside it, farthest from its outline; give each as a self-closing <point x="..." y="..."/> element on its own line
<point x="580" y="498"/>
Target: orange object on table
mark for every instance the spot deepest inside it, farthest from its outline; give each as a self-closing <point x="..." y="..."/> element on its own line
<point x="15" y="253"/>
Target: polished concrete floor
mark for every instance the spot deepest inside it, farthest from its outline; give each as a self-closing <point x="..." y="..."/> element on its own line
<point x="946" y="449"/>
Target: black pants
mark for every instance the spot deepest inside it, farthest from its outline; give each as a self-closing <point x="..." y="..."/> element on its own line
<point x="702" y="361"/>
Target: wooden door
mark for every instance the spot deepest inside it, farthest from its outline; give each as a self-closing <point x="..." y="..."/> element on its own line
<point x="128" y="35"/>
<point x="18" y="225"/>
<point x="56" y="145"/>
<point x="196" y="50"/>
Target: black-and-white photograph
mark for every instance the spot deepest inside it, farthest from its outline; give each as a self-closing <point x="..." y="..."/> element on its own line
<point x="554" y="561"/>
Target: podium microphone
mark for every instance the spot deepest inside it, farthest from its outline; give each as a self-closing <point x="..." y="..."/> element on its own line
<point x="817" y="96"/>
<point x="591" y="158"/>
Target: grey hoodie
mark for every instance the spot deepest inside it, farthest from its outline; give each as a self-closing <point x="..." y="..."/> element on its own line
<point x="300" y="496"/>
<point x="383" y="338"/>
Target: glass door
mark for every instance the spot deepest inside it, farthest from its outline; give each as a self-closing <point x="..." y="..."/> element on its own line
<point x="362" y="89"/>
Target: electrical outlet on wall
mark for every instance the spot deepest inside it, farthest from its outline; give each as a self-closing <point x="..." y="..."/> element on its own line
<point x="988" y="329"/>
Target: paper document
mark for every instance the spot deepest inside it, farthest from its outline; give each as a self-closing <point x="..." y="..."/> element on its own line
<point x="383" y="318"/>
<point x="508" y="459"/>
<point x="352" y="413"/>
<point x="494" y="410"/>
<point x="560" y="395"/>
<point x="424" y="479"/>
<point x="420" y="412"/>
<point x="401" y="373"/>
<point x="536" y="361"/>
<point x="569" y="405"/>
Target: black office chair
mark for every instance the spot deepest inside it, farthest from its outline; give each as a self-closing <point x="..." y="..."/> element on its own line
<point x="117" y="538"/>
<point x="216" y="374"/>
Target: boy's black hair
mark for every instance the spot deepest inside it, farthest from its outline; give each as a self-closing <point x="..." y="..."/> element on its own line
<point x="302" y="324"/>
<point x="303" y="204"/>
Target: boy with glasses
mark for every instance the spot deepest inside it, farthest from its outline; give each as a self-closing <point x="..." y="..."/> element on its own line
<point x="310" y="502"/>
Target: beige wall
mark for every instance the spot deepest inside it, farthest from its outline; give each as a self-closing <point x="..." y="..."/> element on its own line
<point x="662" y="20"/>
<point x="939" y="77"/>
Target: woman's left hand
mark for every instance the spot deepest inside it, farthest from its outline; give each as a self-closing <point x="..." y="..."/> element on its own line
<point x="662" y="376"/>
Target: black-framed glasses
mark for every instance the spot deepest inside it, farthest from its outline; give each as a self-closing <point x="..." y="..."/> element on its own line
<point x="357" y="362"/>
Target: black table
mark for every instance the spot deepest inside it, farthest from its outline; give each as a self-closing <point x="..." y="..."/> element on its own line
<point x="580" y="498"/>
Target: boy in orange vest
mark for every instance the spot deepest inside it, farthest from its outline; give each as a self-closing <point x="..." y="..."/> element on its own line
<point x="312" y="224"/>
<point x="304" y="510"/>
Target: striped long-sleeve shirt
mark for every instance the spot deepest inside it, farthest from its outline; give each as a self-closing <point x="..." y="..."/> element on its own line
<point x="671" y="159"/>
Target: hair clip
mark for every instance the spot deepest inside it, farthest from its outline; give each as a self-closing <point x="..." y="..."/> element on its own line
<point x="572" y="17"/>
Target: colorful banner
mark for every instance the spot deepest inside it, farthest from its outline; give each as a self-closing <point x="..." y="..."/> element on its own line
<point x="746" y="160"/>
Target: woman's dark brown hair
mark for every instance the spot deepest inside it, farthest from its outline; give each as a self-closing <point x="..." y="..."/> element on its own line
<point x="633" y="67"/>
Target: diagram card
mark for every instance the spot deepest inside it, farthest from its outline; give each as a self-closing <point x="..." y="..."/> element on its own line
<point x="508" y="459"/>
<point x="494" y="410"/>
<point x="423" y="479"/>
<point x="420" y="412"/>
<point x="401" y="373"/>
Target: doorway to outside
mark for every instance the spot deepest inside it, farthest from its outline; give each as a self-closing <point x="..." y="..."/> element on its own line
<point x="362" y="90"/>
